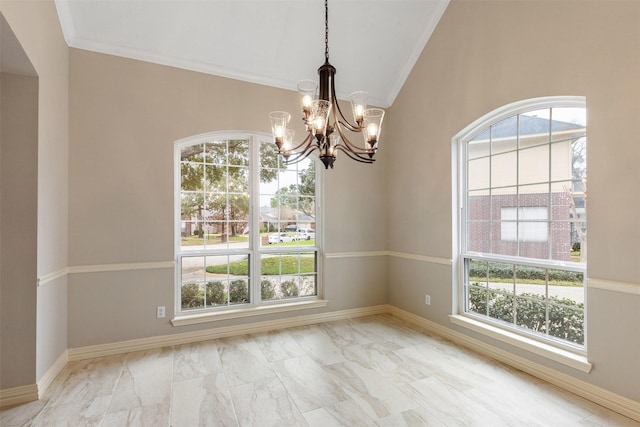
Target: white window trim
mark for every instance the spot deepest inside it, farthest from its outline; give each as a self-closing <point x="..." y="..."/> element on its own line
<point x="567" y="355"/>
<point x="254" y="307"/>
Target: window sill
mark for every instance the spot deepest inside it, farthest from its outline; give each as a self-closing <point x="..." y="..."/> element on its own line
<point x="192" y="319"/>
<point x="559" y="355"/>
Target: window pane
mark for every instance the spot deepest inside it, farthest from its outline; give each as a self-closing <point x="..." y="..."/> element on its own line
<point x="192" y="295"/>
<point x="478" y="299"/>
<point x="566" y="284"/>
<point x="533" y="165"/>
<point x="478" y="146"/>
<point x="504" y="170"/>
<point x="566" y="321"/>
<point x="191" y="176"/>
<point x="192" y="282"/>
<point x="531" y="312"/>
<point x="216" y="152"/>
<point x="503" y="136"/>
<point x="288" y="275"/>
<point x="534" y="124"/>
<point x="478" y="173"/>
<point x="227" y="279"/>
<point x="287" y="197"/>
<point x="215" y="178"/>
<point x="238" y="152"/>
<point x="192" y="153"/>
<point x="239" y="291"/>
<point x="567" y="123"/>
<point x="579" y="158"/>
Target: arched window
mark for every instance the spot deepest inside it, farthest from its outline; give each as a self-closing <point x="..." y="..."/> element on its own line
<point x="522" y="228"/>
<point x="247" y="228"/>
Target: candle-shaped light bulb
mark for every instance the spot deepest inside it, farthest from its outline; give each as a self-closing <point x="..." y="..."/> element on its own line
<point x="279" y="120"/>
<point x="372" y="132"/>
<point x="307" y="91"/>
<point x="333" y="142"/>
<point x="279" y="133"/>
<point x="372" y="124"/>
<point x="359" y="105"/>
<point x="287" y="144"/>
<point x="306" y="102"/>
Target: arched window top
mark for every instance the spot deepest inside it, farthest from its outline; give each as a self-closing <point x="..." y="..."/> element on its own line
<point x="562" y="104"/>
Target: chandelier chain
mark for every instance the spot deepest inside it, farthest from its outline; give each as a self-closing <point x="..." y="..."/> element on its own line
<point x="326" y="30"/>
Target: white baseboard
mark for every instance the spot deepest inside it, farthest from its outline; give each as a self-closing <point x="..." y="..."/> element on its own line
<point x="121" y="347"/>
<point x="52" y="373"/>
<point x="31" y="392"/>
<point x="599" y="395"/>
<point x="18" y="395"/>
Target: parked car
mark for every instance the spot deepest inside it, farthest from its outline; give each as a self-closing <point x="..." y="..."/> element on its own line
<point x="280" y="238"/>
<point x="305" y="234"/>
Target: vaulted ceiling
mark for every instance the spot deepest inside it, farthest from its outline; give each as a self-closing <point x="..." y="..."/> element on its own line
<point x="373" y="44"/>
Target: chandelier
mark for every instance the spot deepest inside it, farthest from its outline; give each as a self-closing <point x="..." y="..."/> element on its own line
<point x="325" y="124"/>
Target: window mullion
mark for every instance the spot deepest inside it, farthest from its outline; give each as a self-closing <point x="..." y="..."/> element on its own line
<point x="254" y="218"/>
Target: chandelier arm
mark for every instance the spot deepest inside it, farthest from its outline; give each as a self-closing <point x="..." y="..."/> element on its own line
<point x="306" y="141"/>
<point x="348" y="125"/>
<point x="298" y="157"/>
<point x="355" y="156"/>
<point x="336" y="105"/>
<point x="350" y="146"/>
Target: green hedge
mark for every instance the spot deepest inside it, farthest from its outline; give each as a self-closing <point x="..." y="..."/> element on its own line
<point x="192" y="294"/>
<point x="566" y="317"/>
<point x="478" y="271"/>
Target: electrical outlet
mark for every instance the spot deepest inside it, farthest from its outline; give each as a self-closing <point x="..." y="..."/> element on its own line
<point x="160" y="311"/>
<point x="427" y="299"/>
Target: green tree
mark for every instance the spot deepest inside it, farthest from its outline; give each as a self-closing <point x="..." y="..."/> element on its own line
<point x="215" y="181"/>
<point x="300" y="196"/>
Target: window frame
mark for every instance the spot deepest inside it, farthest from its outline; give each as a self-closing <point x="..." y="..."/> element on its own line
<point x="254" y="250"/>
<point x="559" y="350"/>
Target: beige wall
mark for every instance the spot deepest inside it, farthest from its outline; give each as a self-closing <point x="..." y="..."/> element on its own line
<point x="37" y="29"/>
<point x="485" y="54"/>
<point x="126" y="116"/>
<point x="18" y="248"/>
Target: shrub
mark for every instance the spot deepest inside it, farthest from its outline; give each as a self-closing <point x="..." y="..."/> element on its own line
<point x="289" y="289"/>
<point x="216" y="294"/>
<point x="238" y="292"/>
<point x="566" y="317"/>
<point x="192" y="295"/>
<point x="575" y="247"/>
<point x="478" y="270"/>
<point x="267" y="290"/>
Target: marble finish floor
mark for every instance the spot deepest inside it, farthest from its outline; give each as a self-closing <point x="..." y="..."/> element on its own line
<point x="370" y="371"/>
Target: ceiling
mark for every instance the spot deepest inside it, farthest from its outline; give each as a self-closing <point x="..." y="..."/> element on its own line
<point x="373" y="44"/>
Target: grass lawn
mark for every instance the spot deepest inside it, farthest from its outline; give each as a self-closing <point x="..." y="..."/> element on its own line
<point x="269" y="266"/>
